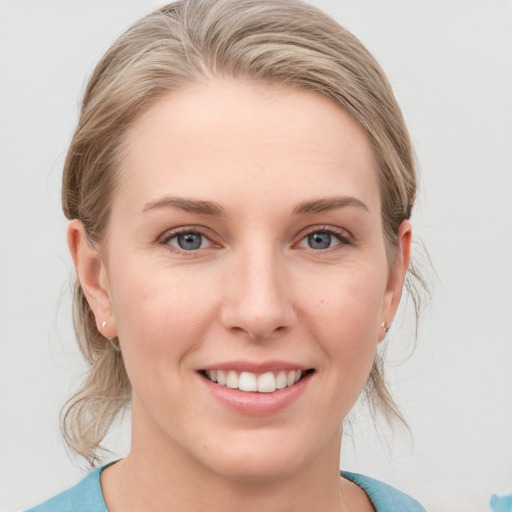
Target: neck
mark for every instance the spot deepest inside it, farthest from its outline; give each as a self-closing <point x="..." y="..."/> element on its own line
<point x="159" y="476"/>
<point x="131" y="487"/>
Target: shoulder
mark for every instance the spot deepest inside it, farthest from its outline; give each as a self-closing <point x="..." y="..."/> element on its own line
<point x="384" y="497"/>
<point x="86" y="496"/>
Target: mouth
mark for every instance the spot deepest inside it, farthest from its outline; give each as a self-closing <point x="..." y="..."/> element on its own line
<point x="267" y="382"/>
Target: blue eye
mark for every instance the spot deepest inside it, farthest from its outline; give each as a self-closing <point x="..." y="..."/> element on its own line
<point x="319" y="240"/>
<point x="324" y="238"/>
<point x="189" y="241"/>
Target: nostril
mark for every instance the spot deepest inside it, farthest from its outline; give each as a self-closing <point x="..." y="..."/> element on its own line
<point x="262" y="334"/>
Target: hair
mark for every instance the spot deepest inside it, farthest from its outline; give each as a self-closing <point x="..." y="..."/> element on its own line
<point x="282" y="42"/>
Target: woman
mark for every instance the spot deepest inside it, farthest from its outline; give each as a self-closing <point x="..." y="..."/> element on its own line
<point x="238" y="188"/>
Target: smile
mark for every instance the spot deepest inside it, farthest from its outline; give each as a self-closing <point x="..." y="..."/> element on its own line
<point x="267" y="382"/>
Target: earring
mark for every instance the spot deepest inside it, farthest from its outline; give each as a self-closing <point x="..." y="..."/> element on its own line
<point x="385" y="327"/>
<point x="117" y="347"/>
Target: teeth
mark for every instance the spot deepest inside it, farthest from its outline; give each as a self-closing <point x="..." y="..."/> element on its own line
<point x="281" y="380"/>
<point x="248" y="382"/>
<point x="266" y="382"/>
<point x="221" y="377"/>
<point x="232" y="379"/>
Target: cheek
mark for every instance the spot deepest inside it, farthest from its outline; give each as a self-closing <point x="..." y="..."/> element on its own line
<point x="161" y="311"/>
<point x="343" y="316"/>
<point x="162" y="317"/>
<point x="346" y="301"/>
<point x="344" y="325"/>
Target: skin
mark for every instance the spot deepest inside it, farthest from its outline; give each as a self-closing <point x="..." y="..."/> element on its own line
<point x="255" y="291"/>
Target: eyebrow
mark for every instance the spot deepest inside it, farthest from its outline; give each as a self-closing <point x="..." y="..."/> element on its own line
<point x="326" y="204"/>
<point x="188" y="205"/>
<point x="211" y="208"/>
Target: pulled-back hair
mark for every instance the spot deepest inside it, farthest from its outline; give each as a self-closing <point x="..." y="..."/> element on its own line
<point x="285" y="42"/>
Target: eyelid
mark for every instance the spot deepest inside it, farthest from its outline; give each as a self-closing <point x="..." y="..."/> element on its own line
<point x="344" y="236"/>
<point x="167" y="235"/>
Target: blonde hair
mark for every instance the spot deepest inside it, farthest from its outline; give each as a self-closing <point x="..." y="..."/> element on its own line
<point x="272" y="41"/>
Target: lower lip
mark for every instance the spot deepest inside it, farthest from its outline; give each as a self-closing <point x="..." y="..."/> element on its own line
<point x="257" y="404"/>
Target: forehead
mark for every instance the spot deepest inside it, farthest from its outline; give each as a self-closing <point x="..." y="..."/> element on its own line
<point x="228" y="138"/>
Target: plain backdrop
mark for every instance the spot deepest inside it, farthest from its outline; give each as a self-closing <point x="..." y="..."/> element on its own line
<point x="450" y="63"/>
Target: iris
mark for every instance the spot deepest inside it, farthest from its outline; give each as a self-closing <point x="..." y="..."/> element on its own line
<point x="319" y="240"/>
<point x="189" y="241"/>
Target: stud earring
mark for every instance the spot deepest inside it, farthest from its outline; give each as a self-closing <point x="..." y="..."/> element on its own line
<point x="104" y="324"/>
<point x="385" y="327"/>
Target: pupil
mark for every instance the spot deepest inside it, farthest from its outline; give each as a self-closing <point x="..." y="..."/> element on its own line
<point x="189" y="241"/>
<point x="319" y="240"/>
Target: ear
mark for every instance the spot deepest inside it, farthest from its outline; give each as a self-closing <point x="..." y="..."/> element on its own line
<point x="92" y="274"/>
<point x="397" y="275"/>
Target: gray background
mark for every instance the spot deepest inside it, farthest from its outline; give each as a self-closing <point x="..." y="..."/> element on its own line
<point x="450" y="63"/>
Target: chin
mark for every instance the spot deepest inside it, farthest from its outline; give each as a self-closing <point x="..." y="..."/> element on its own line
<point x="254" y="471"/>
<point x="262" y="461"/>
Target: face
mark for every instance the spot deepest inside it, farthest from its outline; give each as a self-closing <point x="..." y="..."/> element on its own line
<point x="245" y="274"/>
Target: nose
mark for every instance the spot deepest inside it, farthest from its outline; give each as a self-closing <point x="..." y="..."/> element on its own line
<point x="258" y="297"/>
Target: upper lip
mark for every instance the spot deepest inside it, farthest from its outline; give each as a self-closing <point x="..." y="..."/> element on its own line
<point x="255" y="366"/>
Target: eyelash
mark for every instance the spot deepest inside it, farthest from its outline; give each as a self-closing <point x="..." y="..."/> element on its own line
<point x="170" y="234"/>
<point x="340" y="234"/>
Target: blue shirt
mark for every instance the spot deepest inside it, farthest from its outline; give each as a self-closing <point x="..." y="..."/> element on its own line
<point x="86" y="496"/>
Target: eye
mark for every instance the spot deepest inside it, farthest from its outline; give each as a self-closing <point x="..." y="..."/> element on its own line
<point x="322" y="239"/>
<point x="319" y="240"/>
<point x="188" y="241"/>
